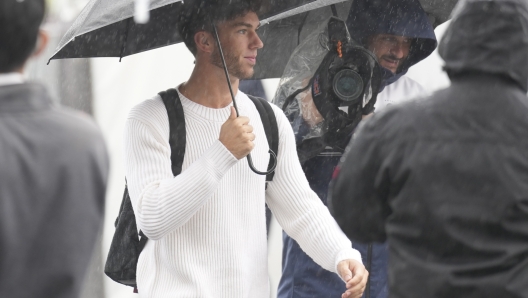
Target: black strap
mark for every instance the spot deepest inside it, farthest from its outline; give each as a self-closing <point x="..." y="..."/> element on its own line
<point x="176" y="138"/>
<point x="177" y="128"/>
<point x="142" y="240"/>
<point x="269" y="121"/>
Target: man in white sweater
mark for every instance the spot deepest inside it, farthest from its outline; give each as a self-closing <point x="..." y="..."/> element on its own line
<point x="207" y="226"/>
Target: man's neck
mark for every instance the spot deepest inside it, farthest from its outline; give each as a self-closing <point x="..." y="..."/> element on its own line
<point x="208" y="86"/>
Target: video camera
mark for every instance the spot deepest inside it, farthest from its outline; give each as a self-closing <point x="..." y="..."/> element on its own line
<point x="344" y="75"/>
<point x="348" y="76"/>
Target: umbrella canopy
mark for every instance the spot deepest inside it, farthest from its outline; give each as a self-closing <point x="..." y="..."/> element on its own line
<point x="105" y="28"/>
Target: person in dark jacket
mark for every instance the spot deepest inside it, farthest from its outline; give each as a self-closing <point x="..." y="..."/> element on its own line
<point x="53" y="173"/>
<point x="445" y="179"/>
<point x="400" y="35"/>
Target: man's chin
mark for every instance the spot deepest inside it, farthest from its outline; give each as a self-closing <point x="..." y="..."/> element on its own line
<point x="391" y="69"/>
<point x="244" y="75"/>
<point x="249" y="75"/>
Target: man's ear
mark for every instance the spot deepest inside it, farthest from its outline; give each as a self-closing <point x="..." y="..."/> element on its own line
<point x="204" y="41"/>
<point x="42" y="42"/>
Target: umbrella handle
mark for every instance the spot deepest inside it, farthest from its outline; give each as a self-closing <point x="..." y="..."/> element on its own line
<point x="272" y="156"/>
<point x="250" y="161"/>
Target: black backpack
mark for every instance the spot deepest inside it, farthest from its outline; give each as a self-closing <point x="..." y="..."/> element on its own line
<point x="126" y="245"/>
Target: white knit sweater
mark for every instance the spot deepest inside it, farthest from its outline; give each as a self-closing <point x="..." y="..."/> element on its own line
<point x="207" y="225"/>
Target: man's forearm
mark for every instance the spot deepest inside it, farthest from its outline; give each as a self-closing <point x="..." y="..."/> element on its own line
<point x="162" y="202"/>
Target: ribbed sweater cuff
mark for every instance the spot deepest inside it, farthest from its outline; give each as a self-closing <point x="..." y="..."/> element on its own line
<point x="346" y="254"/>
<point x="220" y="158"/>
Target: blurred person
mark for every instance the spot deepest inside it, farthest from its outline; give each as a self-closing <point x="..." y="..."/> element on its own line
<point x="445" y="179"/>
<point x="400" y="35"/>
<point x="53" y="172"/>
<point x="206" y="226"/>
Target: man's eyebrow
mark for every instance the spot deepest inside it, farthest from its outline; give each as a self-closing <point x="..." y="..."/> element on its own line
<point x="244" y="24"/>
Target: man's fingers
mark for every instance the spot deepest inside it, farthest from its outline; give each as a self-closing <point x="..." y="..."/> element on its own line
<point x="356" y="290"/>
<point x="355" y="276"/>
<point x="248" y="128"/>
<point x="233" y="113"/>
<point x="237" y="135"/>
<point x="344" y="271"/>
<point x="242" y="120"/>
<point x="356" y="279"/>
<point x="360" y="276"/>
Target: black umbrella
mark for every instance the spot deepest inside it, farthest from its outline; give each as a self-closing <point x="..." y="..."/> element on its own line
<point x="106" y="28"/>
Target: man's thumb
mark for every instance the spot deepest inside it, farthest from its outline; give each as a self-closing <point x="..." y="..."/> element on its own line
<point x="233" y="113"/>
<point x="344" y="271"/>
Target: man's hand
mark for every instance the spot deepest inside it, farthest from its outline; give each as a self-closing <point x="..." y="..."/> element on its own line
<point x="363" y="117"/>
<point x="310" y="113"/>
<point x="355" y="276"/>
<point x="237" y="135"/>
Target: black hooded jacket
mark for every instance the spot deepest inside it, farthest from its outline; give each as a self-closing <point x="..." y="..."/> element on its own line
<point x="445" y="179"/>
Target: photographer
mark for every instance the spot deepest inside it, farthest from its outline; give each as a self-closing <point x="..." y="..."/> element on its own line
<point x="399" y="35"/>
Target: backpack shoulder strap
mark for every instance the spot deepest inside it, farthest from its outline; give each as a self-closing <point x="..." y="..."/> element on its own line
<point x="177" y="128"/>
<point x="269" y="121"/>
<point x="126" y="245"/>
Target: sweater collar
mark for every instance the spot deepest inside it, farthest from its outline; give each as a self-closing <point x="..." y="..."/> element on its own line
<point x="211" y="114"/>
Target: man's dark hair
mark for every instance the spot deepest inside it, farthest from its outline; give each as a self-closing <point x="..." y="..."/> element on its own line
<point x="199" y="15"/>
<point x="19" y="26"/>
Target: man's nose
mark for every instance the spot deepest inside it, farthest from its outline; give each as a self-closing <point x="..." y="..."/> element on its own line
<point x="397" y="50"/>
<point x="257" y="42"/>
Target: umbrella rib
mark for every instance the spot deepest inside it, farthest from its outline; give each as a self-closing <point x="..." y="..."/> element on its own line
<point x="300" y="28"/>
<point x="334" y="10"/>
<point x="299" y="9"/>
<point x="126" y="38"/>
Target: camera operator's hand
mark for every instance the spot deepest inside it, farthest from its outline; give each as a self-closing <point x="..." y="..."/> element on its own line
<point x="310" y="113"/>
<point x="355" y="276"/>
<point x="363" y="117"/>
<point x="237" y="135"/>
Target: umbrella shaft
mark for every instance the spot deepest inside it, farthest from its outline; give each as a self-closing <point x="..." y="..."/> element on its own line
<point x="225" y="67"/>
<point x="250" y="162"/>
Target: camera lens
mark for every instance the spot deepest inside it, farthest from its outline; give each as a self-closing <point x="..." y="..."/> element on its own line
<point x="347" y="85"/>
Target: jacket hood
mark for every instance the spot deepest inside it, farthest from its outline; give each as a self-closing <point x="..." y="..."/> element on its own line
<point x="489" y="37"/>
<point x="395" y="17"/>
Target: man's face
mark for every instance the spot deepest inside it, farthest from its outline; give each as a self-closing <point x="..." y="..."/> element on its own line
<point x="391" y="50"/>
<point x="240" y="43"/>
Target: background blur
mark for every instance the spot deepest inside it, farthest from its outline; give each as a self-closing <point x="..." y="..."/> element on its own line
<point x="107" y="89"/>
